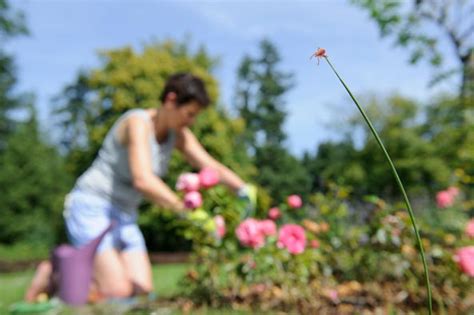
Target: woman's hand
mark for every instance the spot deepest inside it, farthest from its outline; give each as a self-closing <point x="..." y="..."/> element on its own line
<point x="248" y="194"/>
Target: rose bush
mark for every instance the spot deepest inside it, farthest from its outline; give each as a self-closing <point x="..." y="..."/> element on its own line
<point x="325" y="253"/>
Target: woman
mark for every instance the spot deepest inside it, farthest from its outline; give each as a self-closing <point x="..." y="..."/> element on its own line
<point x="130" y="164"/>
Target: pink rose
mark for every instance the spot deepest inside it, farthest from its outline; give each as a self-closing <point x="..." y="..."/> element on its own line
<point x="314" y="244"/>
<point x="470" y="228"/>
<point x="454" y="191"/>
<point x="465" y="259"/>
<point x="267" y="227"/>
<point x="444" y="199"/>
<point x="208" y="177"/>
<point x="188" y="182"/>
<point x="250" y="234"/>
<point x="220" y="224"/>
<point x="274" y="213"/>
<point x="192" y="200"/>
<point x="333" y="295"/>
<point x="293" y="238"/>
<point x="294" y="201"/>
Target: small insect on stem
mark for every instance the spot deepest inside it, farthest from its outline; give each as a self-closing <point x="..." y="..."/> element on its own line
<point x="319" y="53"/>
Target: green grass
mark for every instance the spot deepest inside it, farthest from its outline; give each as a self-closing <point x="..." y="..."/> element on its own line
<point x="12" y="288"/>
<point x="165" y="278"/>
<point x="13" y="285"/>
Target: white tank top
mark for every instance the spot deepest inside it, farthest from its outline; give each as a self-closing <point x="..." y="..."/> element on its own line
<point x="109" y="175"/>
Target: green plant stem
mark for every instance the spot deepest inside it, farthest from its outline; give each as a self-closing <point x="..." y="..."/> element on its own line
<point x="400" y="185"/>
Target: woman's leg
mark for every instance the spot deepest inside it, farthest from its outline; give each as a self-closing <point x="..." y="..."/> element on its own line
<point x="135" y="258"/>
<point x="138" y="268"/>
<point x="41" y="281"/>
<point x="110" y="274"/>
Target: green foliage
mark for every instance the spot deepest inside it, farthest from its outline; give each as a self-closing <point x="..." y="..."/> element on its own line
<point x="417" y="156"/>
<point x="35" y="184"/>
<point x="260" y="90"/>
<point x="281" y="173"/>
<point x="337" y="162"/>
<point x="449" y="124"/>
<point x="32" y="177"/>
<point x="408" y="21"/>
<point x="11" y="24"/>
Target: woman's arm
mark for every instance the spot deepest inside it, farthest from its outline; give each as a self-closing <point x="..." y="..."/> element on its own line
<point x="198" y="157"/>
<point x="137" y="133"/>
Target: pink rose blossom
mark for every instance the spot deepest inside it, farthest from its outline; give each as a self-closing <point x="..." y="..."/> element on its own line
<point x="294" y="201"/>
<point x="274" y="213"/>
<point x="454" y="191"/>
<point x="314" y="244"/>
<point x="209" y="177"/>
<point x="333" y="296"/>
<point x="250" y="234"/>
<point x="293" y="238"/>
<point x="220" y="224"/>
<point x="470" y="228"/>
<point x="465" y="259"/>
<point x="188" y="182"/>
<point x="444" y="199"/>
<point x="267" y="227"/>
<point x="192" y="200"/>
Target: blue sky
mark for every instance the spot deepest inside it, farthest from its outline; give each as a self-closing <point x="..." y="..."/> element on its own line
<point x="66" y="35"/>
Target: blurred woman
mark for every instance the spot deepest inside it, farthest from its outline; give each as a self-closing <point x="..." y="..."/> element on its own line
<point x="130" y="164"/>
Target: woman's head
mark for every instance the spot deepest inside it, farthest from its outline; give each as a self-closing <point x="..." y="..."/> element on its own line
<point x="186" y="88"/>
<point x="183" y="98"/>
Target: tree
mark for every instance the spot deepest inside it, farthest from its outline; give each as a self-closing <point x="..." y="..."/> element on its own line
<point x="452" y="133"/>
<point x="12" y="24"/>
<point x="416" y="156"/>
<point x="260" y="90"/>
<point x="408" y="21"/>
<point x="33" y="185"/>
<point x="335" y="162"/>
<point x="32" y="179"/>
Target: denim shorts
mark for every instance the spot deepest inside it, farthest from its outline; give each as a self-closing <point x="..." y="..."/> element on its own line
<point x="88" y="215"/>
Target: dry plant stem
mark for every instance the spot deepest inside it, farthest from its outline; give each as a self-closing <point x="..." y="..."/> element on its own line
<point x="400" y="185"/>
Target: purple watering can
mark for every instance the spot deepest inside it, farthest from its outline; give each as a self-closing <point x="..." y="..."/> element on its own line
<point x="72" y="269"/>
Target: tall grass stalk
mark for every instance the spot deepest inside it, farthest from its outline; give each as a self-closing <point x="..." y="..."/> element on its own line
<point x="321" y="53"/>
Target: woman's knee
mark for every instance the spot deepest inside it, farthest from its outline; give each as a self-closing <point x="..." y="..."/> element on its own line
<point x="142" y="288"/>
<point x="119" y="289"/>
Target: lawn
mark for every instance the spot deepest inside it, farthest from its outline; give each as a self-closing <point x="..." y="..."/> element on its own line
<point x="13" y="285"/>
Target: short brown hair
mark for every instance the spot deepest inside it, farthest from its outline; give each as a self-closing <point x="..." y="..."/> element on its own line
<point x="187" y="88"/>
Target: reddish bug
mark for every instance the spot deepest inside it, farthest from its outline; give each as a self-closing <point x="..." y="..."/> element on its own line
<point x="319" y="53"/>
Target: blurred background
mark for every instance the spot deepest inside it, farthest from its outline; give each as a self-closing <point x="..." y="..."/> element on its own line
<point x="68" y="69"/>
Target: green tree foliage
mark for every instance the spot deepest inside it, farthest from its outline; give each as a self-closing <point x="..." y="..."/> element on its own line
<point x="260" y="101"/>
<point x="32" y="178"/>
<point x="11" y="25"/>
<point x="33" y="185"/>
<point x="335" y="162"/>
<point x="416" y="157"/>
<point x="420" y="26"/>
<point x="452" y="131"/>
<point x="409" y="23"/>
<point x="260" y="91"/>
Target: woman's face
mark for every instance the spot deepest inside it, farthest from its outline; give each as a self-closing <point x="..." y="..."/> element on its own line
<point x="185" y="115"/>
